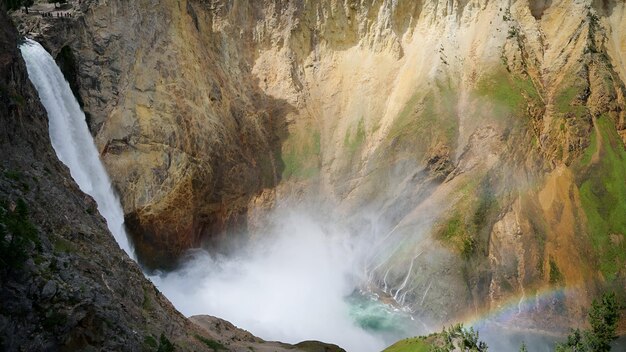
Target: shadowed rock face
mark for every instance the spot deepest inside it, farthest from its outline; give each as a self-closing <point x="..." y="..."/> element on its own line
<point x="538" y="7"/>
<point x="186" y="133"/>
<point x="491" y="137"/>
<point x="64" y="282"/>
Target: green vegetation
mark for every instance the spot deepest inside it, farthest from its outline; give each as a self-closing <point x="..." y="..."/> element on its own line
<point x="603" y="198"/>
<point x="352" y="143"/>
<point x="469" y="225"/>
<point x="300" y="155"/>
<point x="507" y="15"/>
<point x="415" y="344"/>
<point x="469" y="246"/>
<point x="61" y="245"/>
<point x="151" y="342"/>
<point x="17" y="234"/>
<point x="590" y="151"/>
<point x="603" y="318"/>
<point x="523" y="347"/>
<point x="13" y="175"/>
<point x="19" y="99"/>
<point x="556" y="277"/>
<point x="453" y="228"/>
<point x="212" y="344"/>
<point x="17" y="177"/>
<point x="459" y="235"/>
<point x="487" y="203"/>
<point x="574" y="343"/>
<point x="454" y="232"/>
<point x="165" y="345"/>
<point x="563" y="100"/>
<point x="509" y="94"/>
<point x="568" y="100"/>
<point x="405" y="119"/>
<point x="455" y="338"/>
<point x="146" y="304"/>
<point x="424" y="119"/>
<point x="16" y="4"/>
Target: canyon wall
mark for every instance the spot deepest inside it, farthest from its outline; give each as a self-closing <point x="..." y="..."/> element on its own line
<point x="485" y="137"/>
<point x="65" y="284"/>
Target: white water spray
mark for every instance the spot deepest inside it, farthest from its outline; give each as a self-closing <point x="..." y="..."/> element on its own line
<point x="71" y="139"/>
<point x="293" y="287"/>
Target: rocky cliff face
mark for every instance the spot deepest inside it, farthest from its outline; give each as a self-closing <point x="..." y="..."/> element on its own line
<point x="64" y="282"/>
<point x="487" y="137"/>
<point x="206" y="137"/>
<point x="56" y="292"/>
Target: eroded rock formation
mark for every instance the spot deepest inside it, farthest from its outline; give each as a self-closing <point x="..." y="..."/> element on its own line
<point x="65" y="284"/>
<point x="489" y="136"/>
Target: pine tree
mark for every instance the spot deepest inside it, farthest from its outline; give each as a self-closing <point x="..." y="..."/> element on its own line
<point x="603" y="318"/>
<point x="574" y="343"/>
<point x="523" y="348"/>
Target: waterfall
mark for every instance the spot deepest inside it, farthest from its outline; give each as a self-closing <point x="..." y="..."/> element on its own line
<point x="71" y="139"/>
<point x="299" y="283"/>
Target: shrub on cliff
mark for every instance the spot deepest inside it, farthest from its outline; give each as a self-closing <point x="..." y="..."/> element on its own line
<point x="17" y="234"/>
<point x="16" y="4"/>
<point x="603" y="318"/>
<point x="457" y="338"/>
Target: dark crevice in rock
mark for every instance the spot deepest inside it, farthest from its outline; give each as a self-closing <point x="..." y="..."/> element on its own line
<point x="538" y="7"/>
<point x="67" y="63"/>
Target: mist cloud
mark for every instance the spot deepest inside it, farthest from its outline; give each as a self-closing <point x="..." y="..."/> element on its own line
<point x="290" y="285"/>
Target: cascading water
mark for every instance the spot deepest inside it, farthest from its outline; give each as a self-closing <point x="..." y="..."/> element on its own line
<point x="307" y="299"/>
<point x="71" y="139"/>
<point x="293" y="289"/>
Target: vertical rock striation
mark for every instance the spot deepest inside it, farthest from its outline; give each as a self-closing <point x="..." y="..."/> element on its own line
<point x="489" y="136"/>
<point x="64" y="282"/>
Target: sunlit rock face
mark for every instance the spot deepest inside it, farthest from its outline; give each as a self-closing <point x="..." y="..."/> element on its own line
<point x="483" y="141"/>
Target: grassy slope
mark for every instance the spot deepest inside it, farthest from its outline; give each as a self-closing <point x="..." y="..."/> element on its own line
<point x="301" y="153"/>
<point x="426" y="119"/>
<point x="414" y="344"/>
<point x="508" y="93"/>
<point x="507" y="97"/>
<point x="603" y="197"/>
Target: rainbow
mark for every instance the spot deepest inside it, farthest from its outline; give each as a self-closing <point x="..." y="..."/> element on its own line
<point x="519" y="307"/>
